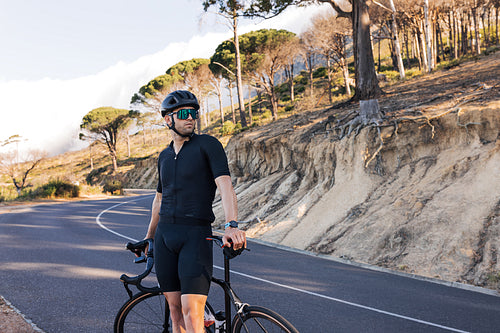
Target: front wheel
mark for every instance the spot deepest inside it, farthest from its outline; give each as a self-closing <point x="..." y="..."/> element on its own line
<point x="145" y="312"/>
<point x="257" y="319"/>
<point x="148" y="312"/>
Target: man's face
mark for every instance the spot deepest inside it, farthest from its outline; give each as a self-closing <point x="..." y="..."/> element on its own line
<point x="183" y="126"/>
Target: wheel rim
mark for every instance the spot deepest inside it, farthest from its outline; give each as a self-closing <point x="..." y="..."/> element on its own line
<point x="146" y="315"/>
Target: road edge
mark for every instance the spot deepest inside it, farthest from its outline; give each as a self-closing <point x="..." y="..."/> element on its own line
<point x="452" y="284"/>
<point x="19" y="313"/>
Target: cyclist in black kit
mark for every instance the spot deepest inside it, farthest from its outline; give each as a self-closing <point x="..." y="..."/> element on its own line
<point x="190" y="170"/>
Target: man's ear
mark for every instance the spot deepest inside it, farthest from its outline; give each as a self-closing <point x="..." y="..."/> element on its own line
<point x="168" y="120"/>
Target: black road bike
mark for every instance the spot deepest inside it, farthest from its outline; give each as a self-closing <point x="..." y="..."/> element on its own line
<point x="147" y="310"/>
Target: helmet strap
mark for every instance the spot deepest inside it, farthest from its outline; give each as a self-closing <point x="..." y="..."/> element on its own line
<point x="172" y="127"/>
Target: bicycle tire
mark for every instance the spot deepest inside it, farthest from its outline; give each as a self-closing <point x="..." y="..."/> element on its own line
<point x="258" y="319"/>
<point x="145" y="312"/>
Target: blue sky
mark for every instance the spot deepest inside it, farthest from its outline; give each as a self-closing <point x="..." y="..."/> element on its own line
<point x="61" y="59"/>
<point x="67" y="39"/>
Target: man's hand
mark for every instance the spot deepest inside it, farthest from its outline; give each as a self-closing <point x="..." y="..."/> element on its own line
<point x="237" y="236"/>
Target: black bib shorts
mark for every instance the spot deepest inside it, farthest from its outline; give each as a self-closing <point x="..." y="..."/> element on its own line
<point x="184" y="258"/>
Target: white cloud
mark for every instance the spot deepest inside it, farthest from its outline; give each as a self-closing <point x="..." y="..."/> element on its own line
<point x="48" y="112"/>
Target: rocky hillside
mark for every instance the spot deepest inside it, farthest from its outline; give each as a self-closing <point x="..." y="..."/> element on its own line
<point x="419" y="193"/>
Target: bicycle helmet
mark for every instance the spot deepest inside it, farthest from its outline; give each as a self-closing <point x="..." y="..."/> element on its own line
<point x="178" y="99"/>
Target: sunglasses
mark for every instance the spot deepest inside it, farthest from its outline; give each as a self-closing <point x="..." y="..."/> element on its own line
<point x="183" y="114"/>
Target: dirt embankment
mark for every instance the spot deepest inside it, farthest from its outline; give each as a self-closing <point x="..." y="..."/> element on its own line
<point x="422" y="195"/>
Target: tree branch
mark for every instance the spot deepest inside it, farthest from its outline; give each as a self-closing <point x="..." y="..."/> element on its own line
<point x="381" y="5"/>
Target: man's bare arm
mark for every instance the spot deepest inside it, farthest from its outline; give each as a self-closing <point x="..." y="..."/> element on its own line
<point x="155" y="216"/>
<point x="230" y="205"/>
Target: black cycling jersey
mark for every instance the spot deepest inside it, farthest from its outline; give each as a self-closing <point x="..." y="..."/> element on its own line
<point x="187" y="180"/>
<point x="187" y="183"/>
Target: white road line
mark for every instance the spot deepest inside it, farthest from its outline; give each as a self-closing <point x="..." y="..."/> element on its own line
<point x="98" y="220"/>
<point x="345" y="302"/>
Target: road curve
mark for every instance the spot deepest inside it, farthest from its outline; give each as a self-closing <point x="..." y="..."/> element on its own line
<point x="62" y="263"/>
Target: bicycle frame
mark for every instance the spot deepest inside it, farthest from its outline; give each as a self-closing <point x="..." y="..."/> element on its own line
<point x="230" y="296"/>
<point x="244" y="312"/>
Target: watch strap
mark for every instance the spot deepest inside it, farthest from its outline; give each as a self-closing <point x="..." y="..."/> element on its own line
<point x="232" y="224"/>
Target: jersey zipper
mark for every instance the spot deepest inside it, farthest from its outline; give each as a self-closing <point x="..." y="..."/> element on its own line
<point x="175" y="180"/>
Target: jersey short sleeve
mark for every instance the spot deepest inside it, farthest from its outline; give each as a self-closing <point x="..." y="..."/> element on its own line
<point x="216" y="156"/>
<point x="159" y="187"/>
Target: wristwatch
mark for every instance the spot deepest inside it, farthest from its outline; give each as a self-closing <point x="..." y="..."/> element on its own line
<point x="232" y="224"/>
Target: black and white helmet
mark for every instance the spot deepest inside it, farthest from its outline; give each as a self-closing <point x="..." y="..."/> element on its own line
<point x="177" y="99"/>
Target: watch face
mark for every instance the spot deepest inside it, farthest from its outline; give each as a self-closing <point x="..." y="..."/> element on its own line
<point x="232" y="224"/>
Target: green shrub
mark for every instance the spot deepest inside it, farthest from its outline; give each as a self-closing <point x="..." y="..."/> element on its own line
<point x="56" y="189"/>
<point x="301" y="79"/>
<point x="300" y="89"/>
<point x="93" y="176"/>
<point x="113" y="186"/>
<point x="7" y="193"/>
<point x="228" y="128"/>
<point x="285" y="98"/>
<point x="391" y="75"/>
<point x="266" y="114"/>
<point x="320" y="72"/>
<point x="412" y="72"/>
<point x="494" y="277"/>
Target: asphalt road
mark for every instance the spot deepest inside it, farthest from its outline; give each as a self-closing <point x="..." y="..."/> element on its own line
<point x="61" y="265"/>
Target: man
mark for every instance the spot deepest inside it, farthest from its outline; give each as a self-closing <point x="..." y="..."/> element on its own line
<point x="190" y="170"/>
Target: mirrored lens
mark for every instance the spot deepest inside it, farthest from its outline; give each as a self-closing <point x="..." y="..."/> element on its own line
<point x="184" y="114"/>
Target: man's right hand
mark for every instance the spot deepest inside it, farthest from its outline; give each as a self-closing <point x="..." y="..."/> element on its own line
<point x="237" y="237"/>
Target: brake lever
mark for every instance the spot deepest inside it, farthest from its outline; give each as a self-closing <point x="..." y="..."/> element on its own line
<point x="140" y="259"/>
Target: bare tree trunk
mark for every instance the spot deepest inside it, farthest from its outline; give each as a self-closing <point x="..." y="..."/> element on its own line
<point x="439" y="42"/>
<point x="464" y="33"/>
<point x="250" y="105"/>
<point x="427" y="33"/>
<point x="259" y="98"/>
<point x="455" y="34"/>
<point x="91" y="157"/>
<point x="417" y="49"/>
<point x="476" y="30"/>
<point x="198" y="125"/>
<point x="114" y="160"/>
<point x="423" y="53"/>
<point x="329" y="72"/>
<point x="230" y="86"/>
<point x="239" y="83"/>
<point x="221" y="109"/>
<point x="367" y="88"/>
<point x="486" y="13"/>
<point x="434" y="40"/>
<point x="207" y="113"/>
<point x="289" y="74"/>
<point x="128" y="145"/>
<point x="309" y="61"/>
<point x="345" y="73"/>
<point x="496" y="25"/>
<point x="406" y="41"/>
<point x="274" y="101"/>
<point x="397" y="48"/>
